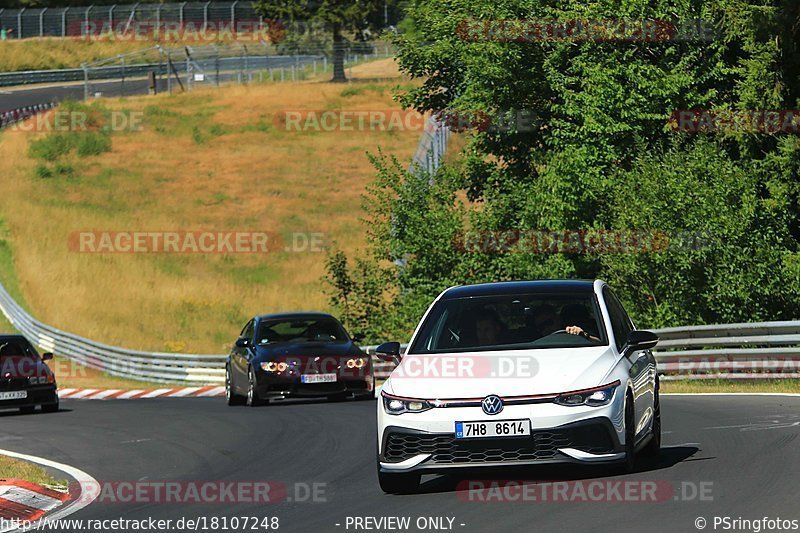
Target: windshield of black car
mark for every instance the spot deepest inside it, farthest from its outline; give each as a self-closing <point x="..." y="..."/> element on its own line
<point x="299" y="331"/>
<point x="13" y="348"/>
<point x="511" y="322"/>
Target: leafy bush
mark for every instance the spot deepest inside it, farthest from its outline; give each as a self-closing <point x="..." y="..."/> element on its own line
<point x="93" y="143"/>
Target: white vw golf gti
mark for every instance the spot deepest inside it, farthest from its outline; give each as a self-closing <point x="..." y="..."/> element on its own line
<point x="518" y="373"/>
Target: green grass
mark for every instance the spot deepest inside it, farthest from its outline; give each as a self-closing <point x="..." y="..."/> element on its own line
<point x="742" y="386"/>
<point x="15" y="469"/>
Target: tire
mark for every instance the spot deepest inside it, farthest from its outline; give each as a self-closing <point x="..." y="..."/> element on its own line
<point x="28" y="409"/>
<point x="252" y="399"/>
<point x="230" y="396"/>
<point x="653" y="448"/>
<point x="629" y="465"/>
<point x="50" y="408"/>
<point x="405" y="483"/>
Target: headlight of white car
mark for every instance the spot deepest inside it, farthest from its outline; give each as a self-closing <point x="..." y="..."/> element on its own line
<point x="594" y="397"/>
<point x="395" y="405"/>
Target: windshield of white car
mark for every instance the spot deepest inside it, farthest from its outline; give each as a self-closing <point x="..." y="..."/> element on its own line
<point x="511" y="322"/>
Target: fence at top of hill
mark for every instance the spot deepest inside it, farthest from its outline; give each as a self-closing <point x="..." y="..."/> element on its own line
<point x="96" y="20"/>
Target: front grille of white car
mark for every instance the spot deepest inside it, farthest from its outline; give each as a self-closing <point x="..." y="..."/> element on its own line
<point x="542" y="445"/>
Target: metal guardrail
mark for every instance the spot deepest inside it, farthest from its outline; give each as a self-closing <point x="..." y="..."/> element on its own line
<point x="131" y="364"/>
<point x="763" y="350"/>
<point x="238" y="63"/>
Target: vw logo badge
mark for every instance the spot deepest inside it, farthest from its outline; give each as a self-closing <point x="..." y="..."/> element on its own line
<point x="492" y="404"/>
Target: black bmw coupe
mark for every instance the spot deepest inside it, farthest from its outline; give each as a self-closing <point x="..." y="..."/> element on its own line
<point x="296" y="355"/>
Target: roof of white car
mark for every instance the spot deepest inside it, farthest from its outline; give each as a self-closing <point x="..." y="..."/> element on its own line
<point x="520" y="287"/>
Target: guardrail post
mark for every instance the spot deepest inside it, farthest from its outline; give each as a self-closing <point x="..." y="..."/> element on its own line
<point x="86" y="21"/>
<point x="85" y="81"/>
<point x="158" y="22"/>
<point x="19" y="23"/>
<point x="169" y="74"/>
<point x="41" y="22"/>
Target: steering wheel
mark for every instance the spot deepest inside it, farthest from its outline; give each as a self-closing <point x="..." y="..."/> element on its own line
<point x="564" y="331"/>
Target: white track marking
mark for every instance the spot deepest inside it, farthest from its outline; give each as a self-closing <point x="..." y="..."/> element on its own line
<point x="216" y="391"/>
<point x="184" y="392"/>
<point x="83" y="394"/>
<point x="129" y="394"/>
<point x="105" y="394"/>
<point x="156" y="393"/>
<point x="88" y="485"/>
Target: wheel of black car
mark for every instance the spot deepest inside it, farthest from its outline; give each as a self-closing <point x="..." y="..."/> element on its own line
<point x="231" y="397"/>
<point x="630" y="436"/>
<point x="653" y="448"/>
<point x="404" y="483"/>
<point x="368" y="395"/>
<point x="50" y="407"/>
<point x="252" y="396"/>
<point x="28" y="409"/>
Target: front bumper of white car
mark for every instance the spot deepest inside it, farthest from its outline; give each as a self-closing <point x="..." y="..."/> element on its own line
<point x="426" y="441"/>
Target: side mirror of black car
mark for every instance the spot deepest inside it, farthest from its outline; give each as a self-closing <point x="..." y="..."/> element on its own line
<point x="388" y="351"/>
<point x="640" y="340"/>
<point x="47" y="356"/>
<point x="242" y="342"/>
<point x="358" y="337"/>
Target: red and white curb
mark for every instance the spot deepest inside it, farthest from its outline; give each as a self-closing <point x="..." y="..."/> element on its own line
<point x="139" y="394"/>
<point x="20" y="500"/>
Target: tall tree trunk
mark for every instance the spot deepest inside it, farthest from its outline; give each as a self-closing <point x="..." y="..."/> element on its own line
<point x="338" y="54"/>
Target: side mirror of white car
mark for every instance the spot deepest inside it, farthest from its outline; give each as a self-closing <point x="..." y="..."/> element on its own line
<point x="639" y="340"/>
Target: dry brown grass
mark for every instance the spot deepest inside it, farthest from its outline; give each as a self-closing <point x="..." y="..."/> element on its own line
<point x="247" y="175"/>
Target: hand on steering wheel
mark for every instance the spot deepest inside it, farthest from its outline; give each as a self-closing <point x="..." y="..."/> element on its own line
<point x="574" y="330"/>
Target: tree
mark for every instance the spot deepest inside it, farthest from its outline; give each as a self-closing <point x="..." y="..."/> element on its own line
<point x="604" y="156"/>
<point x="341" y="16"/>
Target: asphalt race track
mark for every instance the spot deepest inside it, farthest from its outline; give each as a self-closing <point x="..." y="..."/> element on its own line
<point x="723" y="456"/>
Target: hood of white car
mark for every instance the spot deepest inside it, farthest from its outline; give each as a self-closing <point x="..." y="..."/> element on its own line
<point x="505" y="373"/>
